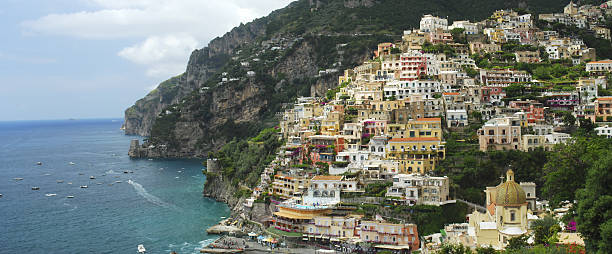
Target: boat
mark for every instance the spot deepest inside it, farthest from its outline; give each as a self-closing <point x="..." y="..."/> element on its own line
<point x="69" y="183"/>
<point x="47" y="174"/>
<point x="81" y="174"/>
<point x="125" y="172"/>
<point x="17" y="178"/>
<point x="92" y="177"/>
<point x="50" y="194"/>
<point x="71" y="163"/>
<point x="35" y="188"/>
<point x="39" y="163"/>
<point x="118" y="181"/>
<point x="60" y="181"/>
<point x="69" y="196"/>
<point x="99" y="183"/>
<point x="0" y="195"/>
<point x="177" y="177"/>
<point x="84" y="186"/>
<point x="141" y="249"/>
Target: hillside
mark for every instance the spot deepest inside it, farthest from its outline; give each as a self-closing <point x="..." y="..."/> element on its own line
<point x="294" y="51"/>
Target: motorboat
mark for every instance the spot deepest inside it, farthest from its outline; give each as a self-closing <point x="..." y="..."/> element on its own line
<point x="92" y="177"/>
<point x="0" y="195"/>
<point x="118" y="182"/>
<point x="71" y="163"/>
<point x="69" y="183"/>
<point x="69" y="196"/>
<point x="141" y="249"/>
<point x="50" y="194"/>
<point x="83" y="186"/>
<point x="17" y="178"/>
<point x="39" y="163"/>
<point x="35" y="188"/>
<point x="99" y="183"/>
<point x="60" y="181"/>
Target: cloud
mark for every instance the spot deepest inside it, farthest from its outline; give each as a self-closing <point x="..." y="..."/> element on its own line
<point x="167" y="30"/>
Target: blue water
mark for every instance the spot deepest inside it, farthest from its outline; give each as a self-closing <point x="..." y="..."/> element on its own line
<point x="162" y="208"/>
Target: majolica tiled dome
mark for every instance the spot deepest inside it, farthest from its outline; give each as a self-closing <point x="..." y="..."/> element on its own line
<point x="510" y="192"/>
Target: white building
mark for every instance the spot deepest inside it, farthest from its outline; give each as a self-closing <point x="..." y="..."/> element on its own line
<point x="417" y="189"/>
<point x="431" y="23"/>
<point x="456" y="118"/>
<point x="604" y="131"/>
<point x="599" y="66"/>
<point x="470" y="28"/>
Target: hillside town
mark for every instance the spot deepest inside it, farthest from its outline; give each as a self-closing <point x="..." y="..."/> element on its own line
<point x="505" y="83"/>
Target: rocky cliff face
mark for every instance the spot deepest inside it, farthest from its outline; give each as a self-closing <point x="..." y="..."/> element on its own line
<point x="202" y="64"/>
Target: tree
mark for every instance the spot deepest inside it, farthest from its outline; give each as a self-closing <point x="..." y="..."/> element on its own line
<point x="517" y="243"/>
<point x="454" y="249"/>
<point x="485" y="250"/>
<point x="545" y="230"/>
<point x="594" y="212"/>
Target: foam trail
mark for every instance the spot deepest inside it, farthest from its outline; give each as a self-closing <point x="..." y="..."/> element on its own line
<point x="149" y="197"/>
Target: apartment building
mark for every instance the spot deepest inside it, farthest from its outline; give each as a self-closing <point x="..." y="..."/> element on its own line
<point x="415" y="189"/>
<point x="378" y="232"/>
<point x="500" y="134"/>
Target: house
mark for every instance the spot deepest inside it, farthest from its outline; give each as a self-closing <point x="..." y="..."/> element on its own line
<point x="288" y="187"/>
<point x="500" y="134"/>
<point x="603" y="109"/>
<point x="415" y="189"/>
<point x="336" y="227"/>
<point x="416" y="155"/>
<point x="384" y="233"/>
<point x="482" y="48"/>
<point x="527" y="56"/>
<point x="325" y="190"/>
<point x="602" y="66"/>
<point x="431" y="23"/>
<point x="292" y="217"/>
<point x="605" y="131"/>
<point x="469" y="27"/>
<point x="503" y="77"/>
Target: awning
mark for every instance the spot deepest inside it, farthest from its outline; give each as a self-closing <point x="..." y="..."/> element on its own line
<point x="392" y="247"/>
<point x="252" y="234"/>
<point x="297" y="216"/>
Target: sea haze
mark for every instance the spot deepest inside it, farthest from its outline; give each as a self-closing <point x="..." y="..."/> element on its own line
<point x="161" y="207"/>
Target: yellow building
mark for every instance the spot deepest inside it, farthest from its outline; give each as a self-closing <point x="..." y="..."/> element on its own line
<point x="293" y="217"/>
<point x="289" y="187"/>
<point x="339" y="227"/>
<point x="416" y="155"/>
<point x="506" y="216"/>
<point x="420" y="128"/>
<point x="332" y="124"/>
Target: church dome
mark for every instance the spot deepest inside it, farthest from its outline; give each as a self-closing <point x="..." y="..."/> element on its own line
<point x="510" y="192"/>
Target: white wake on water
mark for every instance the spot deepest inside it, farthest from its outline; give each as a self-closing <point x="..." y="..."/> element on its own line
<point x="149" y="197"/>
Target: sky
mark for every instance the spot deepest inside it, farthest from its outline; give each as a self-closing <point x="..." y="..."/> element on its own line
<point x="64" y="59"/>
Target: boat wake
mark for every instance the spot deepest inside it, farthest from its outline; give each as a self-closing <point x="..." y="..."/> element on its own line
<point x="74" y="207"/>
<point x="151" y="198"/>
<point x="190" y="247"/>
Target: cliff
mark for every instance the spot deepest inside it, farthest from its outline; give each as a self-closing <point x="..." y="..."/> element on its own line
<point x="233" y="87"/>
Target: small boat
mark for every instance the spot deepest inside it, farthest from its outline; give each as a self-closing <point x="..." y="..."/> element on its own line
<point x="69" y="196"/>
<point x="99" y="183"/>
<point x="69" y="183"/>
<point x="177" y="177"/>
<point x="92" y="177"/>
<point x="141" y="249"/>
<point x="125" y="172"/>
<point x="60" y="181"/>
<point x="71" y="163"/>
<point x="81" y="174"/>
<point x="39" y="163"/>
<point x="35" y="188"/>
<point x="47" y="174"/>
<point x="17" y="178"/>
<point x="50" y="194"/>
<point x="179" y="171"/>
<point x="83" y="186"/>
<point x="118" y="182"/>
<point x="0" y="195"/>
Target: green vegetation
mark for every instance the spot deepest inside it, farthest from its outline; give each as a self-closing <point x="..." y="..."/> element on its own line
<point x="430" y="219"/>
<point x="377" y="189"/>
<point x="545" y="230"/>
<point x="243" y="161"/>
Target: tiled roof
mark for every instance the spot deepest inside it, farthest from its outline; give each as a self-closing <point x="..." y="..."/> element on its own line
<point x="327" y="178"/>
<point x="429" y="119"/>
<point x="602" y="61"/>
<point x="413" y="139"/>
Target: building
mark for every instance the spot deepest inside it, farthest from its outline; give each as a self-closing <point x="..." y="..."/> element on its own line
<point x="500" y="134"/>
<point x="292" y="217"/>
<point x="431" y="23"/>
<point x="602" y="66"/>
<point x="414" y="189"/>
<point x="507" y="214"/>
<point x="529" y="142"/>
<point x="469" y="27"/>
<point x="336" y="227"/>
<point x="605" y="131"/>
<point x="503" y="77"/>
<point x="288" y="187"/>
<point x="416" y="155"/>
<point x="602" y="32"/>
<point x="325" y="190"/>
<point x="383" y="233"/>
<point x="527" y="56"/>
<point x="413" y="66"/>
<point x="603" y="109"/>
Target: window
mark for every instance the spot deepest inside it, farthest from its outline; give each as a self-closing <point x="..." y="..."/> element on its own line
<point x="512" y="216"/>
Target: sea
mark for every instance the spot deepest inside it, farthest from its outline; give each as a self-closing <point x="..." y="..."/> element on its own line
<point x="156" y="203"/>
